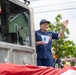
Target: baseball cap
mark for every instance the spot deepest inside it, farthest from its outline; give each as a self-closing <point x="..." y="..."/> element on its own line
<point x="44" y="21"/>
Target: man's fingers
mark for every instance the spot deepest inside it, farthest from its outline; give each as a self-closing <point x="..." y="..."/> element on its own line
<point x="43" y="43"/>
<point x="67" y="21"/>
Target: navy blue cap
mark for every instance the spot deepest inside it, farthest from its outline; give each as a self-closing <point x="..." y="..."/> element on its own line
<point x="44" y="21"/>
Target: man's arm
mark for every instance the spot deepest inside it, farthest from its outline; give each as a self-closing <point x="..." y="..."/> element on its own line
<point x="65" y="23"/>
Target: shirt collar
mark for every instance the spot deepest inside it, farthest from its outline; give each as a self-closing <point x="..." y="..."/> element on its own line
<point x="42" y="32"/>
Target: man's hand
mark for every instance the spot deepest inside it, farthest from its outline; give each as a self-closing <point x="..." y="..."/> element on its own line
<point x="65" y="23"/>
<point x="40" y="42"/>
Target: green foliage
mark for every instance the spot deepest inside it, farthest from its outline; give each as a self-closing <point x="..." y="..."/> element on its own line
<point x="63" y="47"/>
<point x="72" y="63"/>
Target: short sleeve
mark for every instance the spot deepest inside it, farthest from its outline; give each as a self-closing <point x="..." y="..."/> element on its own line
<point x="54" y="35"/>
<point x="37" y="36"/>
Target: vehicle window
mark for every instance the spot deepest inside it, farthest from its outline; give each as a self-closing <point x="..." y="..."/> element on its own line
<point x="14" y="25"/>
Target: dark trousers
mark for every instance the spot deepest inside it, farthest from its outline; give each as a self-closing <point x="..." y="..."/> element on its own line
<point x="44" y="62"/>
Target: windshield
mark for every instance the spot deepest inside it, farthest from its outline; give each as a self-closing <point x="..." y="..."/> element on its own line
<point x="14" y="24"/>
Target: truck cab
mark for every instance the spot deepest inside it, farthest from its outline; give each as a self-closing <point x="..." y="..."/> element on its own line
<point x="17" y="36"/>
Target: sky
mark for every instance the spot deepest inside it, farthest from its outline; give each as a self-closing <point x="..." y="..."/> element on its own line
<point x="48" y="9"/>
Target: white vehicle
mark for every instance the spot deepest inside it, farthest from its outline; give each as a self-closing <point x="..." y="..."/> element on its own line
<point x="17" y="37"/>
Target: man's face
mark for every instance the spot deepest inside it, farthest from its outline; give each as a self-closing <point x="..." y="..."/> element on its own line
<point x="44" y="26"/>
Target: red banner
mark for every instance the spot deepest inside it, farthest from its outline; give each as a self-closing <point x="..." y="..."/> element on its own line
<point x="14" y="69"/>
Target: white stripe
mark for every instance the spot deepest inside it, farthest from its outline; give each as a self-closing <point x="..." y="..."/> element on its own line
<point x="69" y="72"/>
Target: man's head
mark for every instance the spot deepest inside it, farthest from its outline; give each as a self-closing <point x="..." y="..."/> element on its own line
<point x="44" y="24"/>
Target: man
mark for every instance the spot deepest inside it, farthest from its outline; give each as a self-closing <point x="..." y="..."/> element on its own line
<point x="44" y="42"/>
